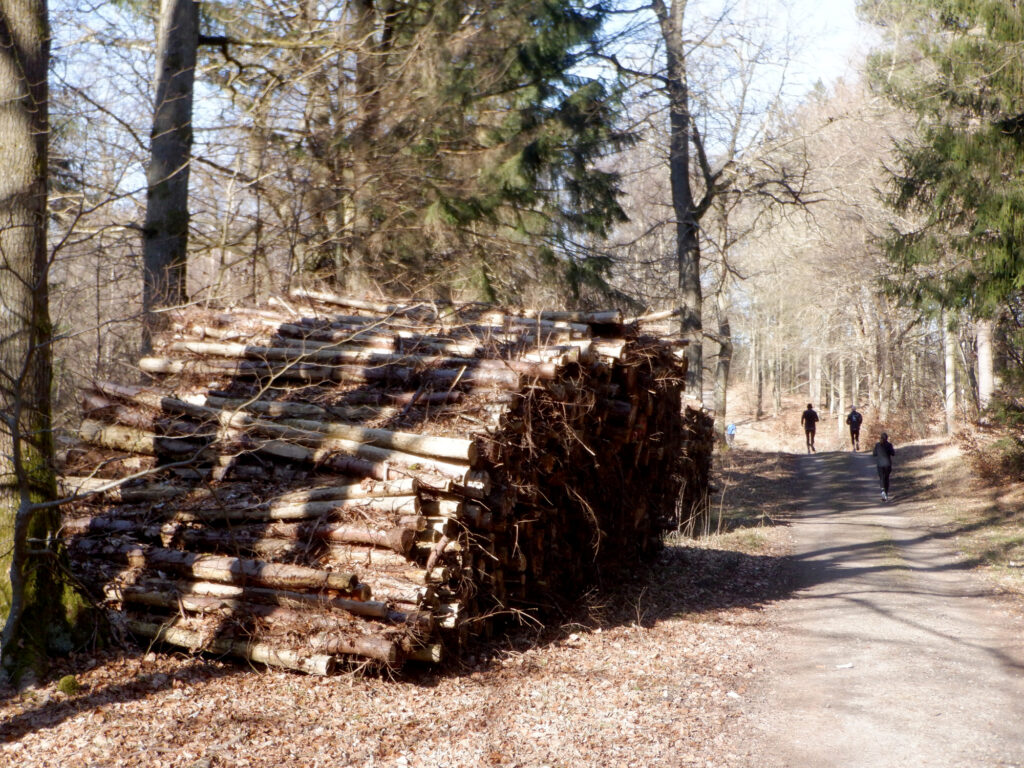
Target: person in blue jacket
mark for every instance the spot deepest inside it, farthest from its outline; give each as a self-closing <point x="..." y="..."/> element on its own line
<point x="883" y="453"/>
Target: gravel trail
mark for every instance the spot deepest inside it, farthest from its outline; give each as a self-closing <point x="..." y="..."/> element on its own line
<point x="891" y="650"/>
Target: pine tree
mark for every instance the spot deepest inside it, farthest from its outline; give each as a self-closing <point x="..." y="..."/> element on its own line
<point x="957" y="64"/>
<point x="438" y="142"/>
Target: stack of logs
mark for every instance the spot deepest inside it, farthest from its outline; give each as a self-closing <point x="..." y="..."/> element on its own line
<point x="302" y="487"/>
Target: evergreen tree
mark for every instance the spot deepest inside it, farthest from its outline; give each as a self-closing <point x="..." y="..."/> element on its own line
<point x="434" y="142"/>
<point x="957" y="64"/>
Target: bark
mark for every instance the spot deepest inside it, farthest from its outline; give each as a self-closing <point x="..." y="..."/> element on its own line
<point x="467" y="375"/>
<point x="723" y="365"/>
<point x="38" y="608"/>
<point x="288" y="599"/>
<point x="986" y="371"/>
<point x="369" y="49"/>
<point x="302" y="430"/>
<point x="949" y="366"/>
<point x="681" y="135"/>
<point x="368" y="355"/>
<point x="228" y="570"/>
<point x="165" y="231"/>
<point x="262" y="653"/>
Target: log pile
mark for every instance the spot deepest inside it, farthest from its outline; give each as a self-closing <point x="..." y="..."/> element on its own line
<point x="327" y="479"/>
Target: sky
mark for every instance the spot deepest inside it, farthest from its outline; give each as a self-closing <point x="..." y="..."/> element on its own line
<point x="833" y="39"/>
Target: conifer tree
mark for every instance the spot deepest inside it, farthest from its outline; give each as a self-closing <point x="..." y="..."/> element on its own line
<point x="958" y="65"/>
<point x="427" y="141"/>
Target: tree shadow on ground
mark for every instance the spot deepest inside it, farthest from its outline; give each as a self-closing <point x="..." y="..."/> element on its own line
<point x="55" y="708"/>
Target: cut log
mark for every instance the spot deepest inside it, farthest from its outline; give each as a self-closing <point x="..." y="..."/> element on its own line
<point x="369" y="608"/>
<point x="453" y="448"/>
<point x="228" y="570"/>
<point x="381" y="308"/>
<point x="397" y="539"/>
<point x="359" y="644"/>
<point x="384" y="507"/>
<point x="130" y="440"/>
<point x="377" y="648"/>
<point x="368" y="356"/>
<point x="428" y="654"/>
<point x="606" y="317"/>
<point x="401" y="487"/>
<point x="262" y="653"/>
<point x="133" y="494"/>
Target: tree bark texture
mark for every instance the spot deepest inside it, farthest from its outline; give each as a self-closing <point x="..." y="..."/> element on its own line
<point x="688" y="288"/>
<point x="166" y="226"/>
<point x="723" y="365"/>
<point x="33" y="601"/>
<point x="949" y="365"/>
<point x="986" y="372"/>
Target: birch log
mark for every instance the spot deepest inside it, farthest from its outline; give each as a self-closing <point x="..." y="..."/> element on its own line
<point x="262" y="653"/>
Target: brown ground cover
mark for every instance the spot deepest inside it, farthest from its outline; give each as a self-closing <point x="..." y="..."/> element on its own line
<point x="646" y="673"/>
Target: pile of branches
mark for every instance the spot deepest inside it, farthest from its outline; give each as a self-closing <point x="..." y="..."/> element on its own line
<point x="303" y="488"/>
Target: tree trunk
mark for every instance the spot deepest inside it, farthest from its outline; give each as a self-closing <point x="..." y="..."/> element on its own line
<point x="38" y="609"/>
<point x="949" y="361"/>
<point x="986" y="371"/>
<point x="165" y="233"/>
<point x="855" y="383"/>
<point x="371" y="45"/>
<point x="690" y="299"/>
<point x="841" y="396"/>
<point x="723" y="365"/>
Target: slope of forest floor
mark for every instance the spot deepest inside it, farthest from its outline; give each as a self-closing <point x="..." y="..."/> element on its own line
<point x="647" y="673"/>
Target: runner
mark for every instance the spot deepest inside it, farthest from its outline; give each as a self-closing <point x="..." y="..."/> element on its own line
<point x="809" y="420"/>
<point x="883" y="453"/>
<point x="854" y="420"/>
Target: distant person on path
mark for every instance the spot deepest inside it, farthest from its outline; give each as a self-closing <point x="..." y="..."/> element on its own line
<point x="730" y="435"/>
<point x="810" y="423"/>
<point x="854" y="420"/>
<point x="883" y="453"/>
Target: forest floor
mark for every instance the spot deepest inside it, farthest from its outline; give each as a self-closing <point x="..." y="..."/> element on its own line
<point x="705" y="659"/>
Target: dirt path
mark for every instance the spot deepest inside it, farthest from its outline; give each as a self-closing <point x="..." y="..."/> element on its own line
<point x="892" y="652"/>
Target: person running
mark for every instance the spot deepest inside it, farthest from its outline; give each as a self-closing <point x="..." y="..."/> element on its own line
<point x="854" y="420"/>
<point x="883" y="453"/>
<point x="810" y="423"/>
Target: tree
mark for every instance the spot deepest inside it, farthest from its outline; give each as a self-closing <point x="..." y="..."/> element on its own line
<point x="958" y="67"/>
<point x="423" y="146"/>
<point x="688" y="210"/>
<point x="38" y="606"/>
<point x="165" y="231"/>
<point x="707" y="100"/>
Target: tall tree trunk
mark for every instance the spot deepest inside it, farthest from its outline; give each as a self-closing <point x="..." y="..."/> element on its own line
<point x="688" y="288"/>
<point x="986" y="368"/>
<point x="759" y="410"/>
<point x="832" y="391"/>
<point x="165" y="233"/>
<point x="949" y="366"/>
<point x="32" y="594"/>
<point x="372" y="32"/>
<point x="724" y="363"/>
<point x="841" y="396"/>
<point x="855" y="383"/>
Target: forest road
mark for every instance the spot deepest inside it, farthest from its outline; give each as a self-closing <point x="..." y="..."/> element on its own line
<point x="891" y="652"/>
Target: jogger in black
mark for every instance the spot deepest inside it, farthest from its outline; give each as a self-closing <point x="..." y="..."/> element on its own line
<point x="854" y="420"/>
<point x="809" y="420"/>
<point x="883" y="453"/>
